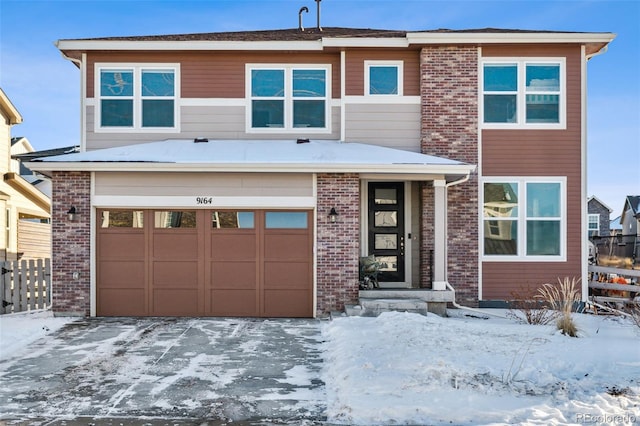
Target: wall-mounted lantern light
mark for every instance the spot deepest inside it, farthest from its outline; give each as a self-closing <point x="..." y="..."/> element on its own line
<point x="72" y="214"/>
<point x="333" y="215"/>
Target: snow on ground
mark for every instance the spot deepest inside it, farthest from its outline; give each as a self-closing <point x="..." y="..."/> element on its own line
<point x="18" y="330"/>
<point x="410" y="369"/>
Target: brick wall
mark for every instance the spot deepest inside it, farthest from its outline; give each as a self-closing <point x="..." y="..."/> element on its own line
<point x="71" y="243"/>
<point x="338" y="244"/>
<point x="449" y="93"/>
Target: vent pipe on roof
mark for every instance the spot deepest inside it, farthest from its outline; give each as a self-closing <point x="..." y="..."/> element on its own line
<point x="302" y="9"/>
<point x="318" y="3"/>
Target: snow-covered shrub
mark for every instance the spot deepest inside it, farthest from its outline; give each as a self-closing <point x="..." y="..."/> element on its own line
<point x="563" y="298"/>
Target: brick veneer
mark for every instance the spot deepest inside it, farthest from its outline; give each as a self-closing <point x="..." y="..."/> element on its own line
<point x="449" y="98"/>
<point x="71" y="243"/>
<point x="338" y="246"/>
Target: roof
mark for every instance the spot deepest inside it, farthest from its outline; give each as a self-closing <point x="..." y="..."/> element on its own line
<point x="254" y="156"/>
<point x="9" y="110"/>
<point x="597" y="200"/>
<point x="312" y="39"/>
<point x="634" y="203"/>
<point x="29" y="156"/>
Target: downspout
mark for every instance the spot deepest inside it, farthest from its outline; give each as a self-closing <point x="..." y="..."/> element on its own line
<point x="449" y="286"/>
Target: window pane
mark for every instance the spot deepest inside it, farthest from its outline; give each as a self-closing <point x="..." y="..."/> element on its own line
<point x="116" y="113"/>
<point x="388" y="263"/>
<point x="308" y="114"/>
<point x="543" y="78"/>
<point x="175" y="219"/>
<point x="543" y="200"/>
<point x="157" y="83"/>
<point x="291" y="220"/>
<point x="116" y="83"/>
<point x="501" y="78"/>
<point x="383" y="80"/>
<point x="543" y="109"/>
<point x="386" y="219"/>
<point x="230" y="220"/>
<point x="386" y="241"/>
<point x="500" y="108"/>
<point x="157" y="113"/>
<point x="309" y="83"/>
<point x="267" y="82"/>
<point x="501" y="237"/>
<point x="543" y="238"/>
<point x="500" y="200"/>
<point x="386" y="196"/>
<point x="267" y="114"/>
<point x="122" y="219"/>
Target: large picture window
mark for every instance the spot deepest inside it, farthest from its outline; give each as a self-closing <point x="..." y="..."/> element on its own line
<point x="524" y="219"/>
<point x="288" y="98"/>
<point x="523" y="93"/>
<point x="136" y="97"/>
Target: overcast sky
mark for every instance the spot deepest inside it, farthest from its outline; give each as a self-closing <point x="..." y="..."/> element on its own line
<point x="45" y="88"/>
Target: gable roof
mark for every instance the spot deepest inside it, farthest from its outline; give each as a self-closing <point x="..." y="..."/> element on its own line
<point x="9" y="110"/>
<point x="633" y="201"/>
<point x="599" y="201"/>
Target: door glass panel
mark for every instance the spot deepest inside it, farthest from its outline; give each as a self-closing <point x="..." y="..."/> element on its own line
<point x="386" y="219"/>
<point x="289" y="220"/>
<point x="175" y="219"/>
<point x="386" y="241"/>
<point x="386" y="196"/>
<point x="232" y="220"/>
<point x="388" y="263"/>
<point x="122" y="219"/>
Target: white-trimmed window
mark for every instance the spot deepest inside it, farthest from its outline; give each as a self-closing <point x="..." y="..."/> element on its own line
<point x="137" y="97"/>
<point x="524" y="219"/>
<point x="594" y="224"/>
<point x="291" y="98"/>
<point x="383" y="78"/>
<point x="523" y="93"/>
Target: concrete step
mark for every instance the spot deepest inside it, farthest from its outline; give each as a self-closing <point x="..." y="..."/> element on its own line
<point x="374" y="307"/>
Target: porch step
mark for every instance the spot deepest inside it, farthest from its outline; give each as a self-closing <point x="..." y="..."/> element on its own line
<point x="374" y="307"/>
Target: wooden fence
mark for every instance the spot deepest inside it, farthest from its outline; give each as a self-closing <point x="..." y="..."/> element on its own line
<point x="606" y="285"/>
<point x="25" y="285"/>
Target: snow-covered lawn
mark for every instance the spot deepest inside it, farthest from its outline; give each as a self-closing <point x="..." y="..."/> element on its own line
<point x="405" y="368"/>
<point x="402" y="368"/>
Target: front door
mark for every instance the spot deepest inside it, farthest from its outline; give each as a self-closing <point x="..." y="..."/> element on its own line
<point x="386" y="229"/>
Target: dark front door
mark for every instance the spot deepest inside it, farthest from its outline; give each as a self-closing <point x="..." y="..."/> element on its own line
<point x="386" y="229"/>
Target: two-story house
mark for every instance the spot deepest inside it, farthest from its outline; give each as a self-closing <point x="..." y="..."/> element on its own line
<point x="25" y="231"/>
<point x="245" y="173"/>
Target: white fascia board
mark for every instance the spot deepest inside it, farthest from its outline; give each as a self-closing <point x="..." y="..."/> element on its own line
<point x="87" y="45"/>
<point x="508" y="37"/>
<point x="365" y="42"/>
<point x="431" y="169"/>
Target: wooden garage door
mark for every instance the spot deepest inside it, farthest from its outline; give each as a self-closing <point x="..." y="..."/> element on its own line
<point x="204" y="263"/>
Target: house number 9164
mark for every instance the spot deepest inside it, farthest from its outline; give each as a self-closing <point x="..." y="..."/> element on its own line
<point x="202" y="201"/>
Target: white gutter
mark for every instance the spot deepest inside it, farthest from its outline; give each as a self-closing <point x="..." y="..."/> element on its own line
<point x="507" y="37"/>
<point x="153" y="45"/>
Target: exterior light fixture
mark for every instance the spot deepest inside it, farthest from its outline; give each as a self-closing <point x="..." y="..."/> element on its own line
<point x="72" y="214"/>
<point x="333" y="215"/>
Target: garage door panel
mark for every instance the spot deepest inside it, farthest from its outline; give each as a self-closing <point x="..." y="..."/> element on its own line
<point x="233" y="275"/>
<point x="233" y="246"/>
<point x="287" y="303"/>
<point x="287" y="246"/>
<point x="175" y="302"/>
<point x="118" y="245"/>
<point x="287" y="275"/>
<point x="115" y="274"/>
<point x="175" y="245"/>
<point x="175" y="274"/>
<point x="234" y="303"/>
<point x="121" y="302"/>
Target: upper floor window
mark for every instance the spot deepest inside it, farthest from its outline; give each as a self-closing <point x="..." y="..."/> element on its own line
<point x="288" y="98"/>
<point x="136" y="97"/>
<point x="526" y="92"/>
<point x="594" y="224"/>
<point x="383" y="78"/>
<point x="524" y="219"/>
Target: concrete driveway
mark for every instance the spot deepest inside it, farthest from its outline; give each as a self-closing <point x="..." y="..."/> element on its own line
<point x="168" y="371"/>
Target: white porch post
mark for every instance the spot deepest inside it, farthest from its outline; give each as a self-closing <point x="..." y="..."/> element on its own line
<point x="440" y="235"/>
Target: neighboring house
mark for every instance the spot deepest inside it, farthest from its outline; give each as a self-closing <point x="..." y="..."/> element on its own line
<point x="615" y="226"/>
<point x="630" y="223"/>
<point x="245" y="173"/>
<point x="598" y="214"/>
<point x="24" y="209"/>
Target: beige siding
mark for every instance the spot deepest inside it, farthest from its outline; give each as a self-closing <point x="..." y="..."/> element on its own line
<point x="394" y="126"/>
<point x="34" y="240"/>
<point x="213" y="122"/>
<point x="210" y="184"/>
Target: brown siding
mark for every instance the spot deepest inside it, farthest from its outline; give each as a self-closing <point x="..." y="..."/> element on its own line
<point x="538" y="153"/>
<point x="355" y="69"/>
<point x="216" y="74"/>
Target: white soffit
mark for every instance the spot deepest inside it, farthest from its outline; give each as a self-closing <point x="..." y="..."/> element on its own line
<point x="507" y="37"/>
